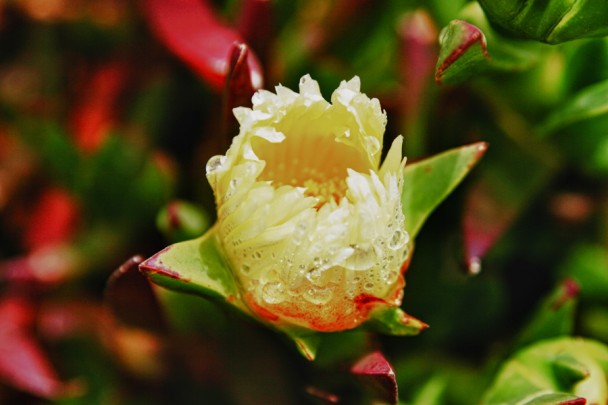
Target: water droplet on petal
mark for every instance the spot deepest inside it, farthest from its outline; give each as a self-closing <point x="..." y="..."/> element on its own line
<point x="398" y="239"/>
<point x="318" y="296"/>
<point x="273" y="293"/>
<point x="314" y="276"/>
<point x="214" y="163"/>
<point x="389" y="277"/>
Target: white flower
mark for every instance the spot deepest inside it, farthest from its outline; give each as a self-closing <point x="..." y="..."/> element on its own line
<point x="310" y="223"/>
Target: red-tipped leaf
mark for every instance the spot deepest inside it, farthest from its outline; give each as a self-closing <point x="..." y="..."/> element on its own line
<point x="192" y="31"/>
<point x="376" y="371"/>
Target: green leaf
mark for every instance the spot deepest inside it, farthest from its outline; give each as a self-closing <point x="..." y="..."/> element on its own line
<point x="588" y="265"/>
<point x="196" y="266"/>
<point x="463" y="53"/>
<point x="579" y="128"/>
<point x="428" y="182"/>
<point x="432" y="392"/>
<point x="181" y="220"/>
<point x="551" y="21"/>
<point x="393" y="321"/>
<point x="554" y="317"/>
<point x="590" y="103"/>
<point x="553" y="372"/>
<point x="470" y="47"/>
<point x="60" y="157"/>
<point x="307" y="344"/>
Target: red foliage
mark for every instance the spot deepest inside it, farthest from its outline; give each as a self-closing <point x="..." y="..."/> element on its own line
<point x="53" y="219"/>
<point x="94" y="114"/>
<point x="22" y="362"/>
<point x="192" y="31"/>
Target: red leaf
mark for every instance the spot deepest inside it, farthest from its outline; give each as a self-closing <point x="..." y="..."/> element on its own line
<point x="419" y="55"/>
<point x="255" y="24"/>
<point x="486" y="218"/>
<point x="48" y="265"/>
<point x="66" y="318"/>
<point x="376" y="371"/>
<point x="94" y="112"/>
<point x="22" y="363"/>
<point x="53" y="220"/>
<point x="191" y="30"/>
<point x="238" y="91"/>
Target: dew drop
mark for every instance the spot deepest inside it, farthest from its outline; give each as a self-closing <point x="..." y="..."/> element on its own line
<point x="389" y="277"/>
<point x="361" y="258"/>
<point x="318" y="296"/>
<point x="245" y="269"/>
<point x="273" y="293"/>
<point x="369" y="286"/>
<point x="214" y="163"/>
<point x="314" y="276"/>
<point x="257" y="255"/>
<point x="398" y="239"/>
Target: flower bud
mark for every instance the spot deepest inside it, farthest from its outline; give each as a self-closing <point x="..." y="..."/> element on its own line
<point x="309" y="221"/>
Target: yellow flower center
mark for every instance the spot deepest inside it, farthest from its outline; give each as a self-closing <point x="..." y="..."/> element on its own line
<point x="316" y="163"/>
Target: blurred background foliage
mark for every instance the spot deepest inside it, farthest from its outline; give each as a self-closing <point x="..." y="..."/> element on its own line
<point x="110" y="109"/>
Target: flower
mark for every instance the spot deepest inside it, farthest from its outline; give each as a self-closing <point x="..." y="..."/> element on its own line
<point x="310" y="223"/>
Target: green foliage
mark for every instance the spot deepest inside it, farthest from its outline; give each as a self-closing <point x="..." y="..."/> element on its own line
<point x="551" y="21"/>
<point x="510" y="271"/>
<point x="428" y="182"/>
<point x="471" y="47"/>
<point x="553" y="372"/>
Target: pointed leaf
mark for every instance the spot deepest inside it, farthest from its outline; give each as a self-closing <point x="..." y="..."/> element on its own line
<point x="191" y="30"/>
<point x="428" y="182"/>
<point x="469" y="46"/>
<point x="238" y="89"/>
<point x="569" y="369"/>
<point x="307" y="344"/>
<point x="393" y="321"/>
<point x="196" y="266"/>
<point x="463" y="52"/>
<point x="255" y="23"/>
<point x="502" y="191"/>
<point x="376" y="371"/>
